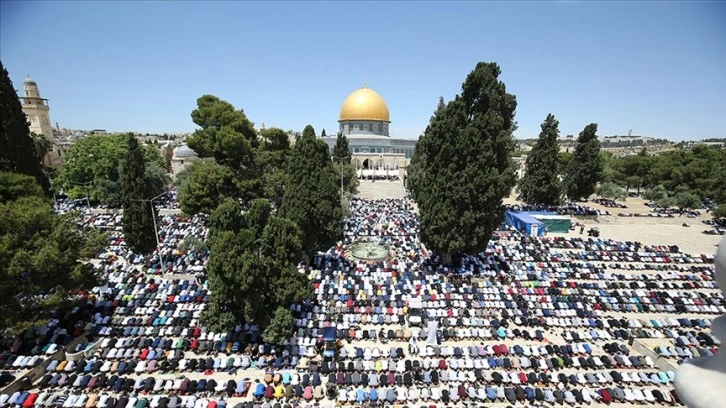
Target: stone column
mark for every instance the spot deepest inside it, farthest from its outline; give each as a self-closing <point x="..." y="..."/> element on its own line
<point x="701" y="382"/>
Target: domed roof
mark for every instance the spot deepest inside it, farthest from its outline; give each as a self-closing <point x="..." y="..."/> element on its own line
<point x="364" y="104"/>
<point x="184" y="151"/>
<point x="29" y="80"/>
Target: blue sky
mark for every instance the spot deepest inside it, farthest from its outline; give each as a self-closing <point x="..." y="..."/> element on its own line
<point x="658" y="68"/>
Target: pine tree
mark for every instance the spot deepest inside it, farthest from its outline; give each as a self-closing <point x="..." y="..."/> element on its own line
<point x="462" y="166"/>
<point x="227" y="135"/>
<point x="312" y="195"/>
<point x="541" y="182"/>
<point x="341" y="150"/>
<point x="585" y="169"/>
<point x="17" y="150"/>
<point x="323" y="134"/>
<point x="138" y="219"/>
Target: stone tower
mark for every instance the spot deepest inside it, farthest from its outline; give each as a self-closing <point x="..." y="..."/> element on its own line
<point x="38" y="112"/>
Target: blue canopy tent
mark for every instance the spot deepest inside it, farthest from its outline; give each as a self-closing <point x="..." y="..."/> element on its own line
<point x="523" y="221"/>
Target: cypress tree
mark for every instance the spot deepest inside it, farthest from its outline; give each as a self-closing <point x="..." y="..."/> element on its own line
<point x="342" y="149"/>
<point x="585" y="169"/>
<point x="541" y="182"/>
<point x="462" y="166"/>
<point x="312" y="195"/>
<point x="17" y="150"/>
<point x="138" y="221"/>
<point x="253" y="268"/>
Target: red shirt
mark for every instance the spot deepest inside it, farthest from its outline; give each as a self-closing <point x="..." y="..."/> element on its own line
<point x="30" y="401"/>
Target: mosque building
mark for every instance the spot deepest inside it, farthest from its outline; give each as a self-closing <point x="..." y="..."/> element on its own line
<point x="181" y="157"/>
<point x="38" y="112"/>
<point x="365" y="120"/>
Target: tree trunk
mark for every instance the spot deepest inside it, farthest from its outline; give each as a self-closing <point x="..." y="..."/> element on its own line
<point x="446" y="258"/>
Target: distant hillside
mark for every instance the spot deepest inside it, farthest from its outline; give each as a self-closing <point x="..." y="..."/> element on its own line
<point x="608" y="142"/>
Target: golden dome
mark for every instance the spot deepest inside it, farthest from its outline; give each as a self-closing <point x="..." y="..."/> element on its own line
<point x="364" y="104"/>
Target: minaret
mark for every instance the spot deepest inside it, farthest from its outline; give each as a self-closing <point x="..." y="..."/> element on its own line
<point x="37" y="110"/>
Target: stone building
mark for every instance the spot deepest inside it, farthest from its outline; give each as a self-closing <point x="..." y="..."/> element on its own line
<point x="37" y="110"/>
<point x="181" y="158"/>
<point x="365" y="120"/>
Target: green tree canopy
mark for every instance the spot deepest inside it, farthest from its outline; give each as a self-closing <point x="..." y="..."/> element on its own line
<point x="341" y="150"/>
<point x="665" y="202"/>
<point x="18" y="152"/>
<point x="205" y="185"/>
<point x="93" y="162"/>
<point x="631" y="170"/>
<point x="41" y="144"/>
<point x="138" y="217"/>
<point x="272" y="158"/>
<point x="350" y="177"/>
<point x="611" y="191"/>
<point x="280" y="327"/>
<point x="253" y="266"/>
<point x="656" y="193"/>
<point x="563" y="161"/>
<point x="41" y="254"/>
<point x="688" y="200"/>
<point x="700" y="170"/>
<point x="230" y="138"/>
<point x="226" y="134"/>
<point x="585" y="169"/>
<point x="720" y="211"/>
<point x="541" y="181"/>
<point x="312" y="196"/>
<point x="15" y="185"/>
<point x="277" y="141"/>
<point x="462" y="166"/>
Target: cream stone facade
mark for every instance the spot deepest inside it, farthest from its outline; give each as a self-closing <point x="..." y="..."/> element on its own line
<point x="37" y="110"/>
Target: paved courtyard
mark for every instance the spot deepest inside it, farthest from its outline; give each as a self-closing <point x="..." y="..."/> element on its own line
<point x="380" y="189"/>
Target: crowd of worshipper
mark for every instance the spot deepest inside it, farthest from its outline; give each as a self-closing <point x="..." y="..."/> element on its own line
<point x="718" y="226"/>
<point x="543" y="321"/>
<point x="62" y="204"/>
<point x="606" y="202"/>
<point x="673" y="211"/>
<point x="378" y="177"/>
<point x="169" y="200"/>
